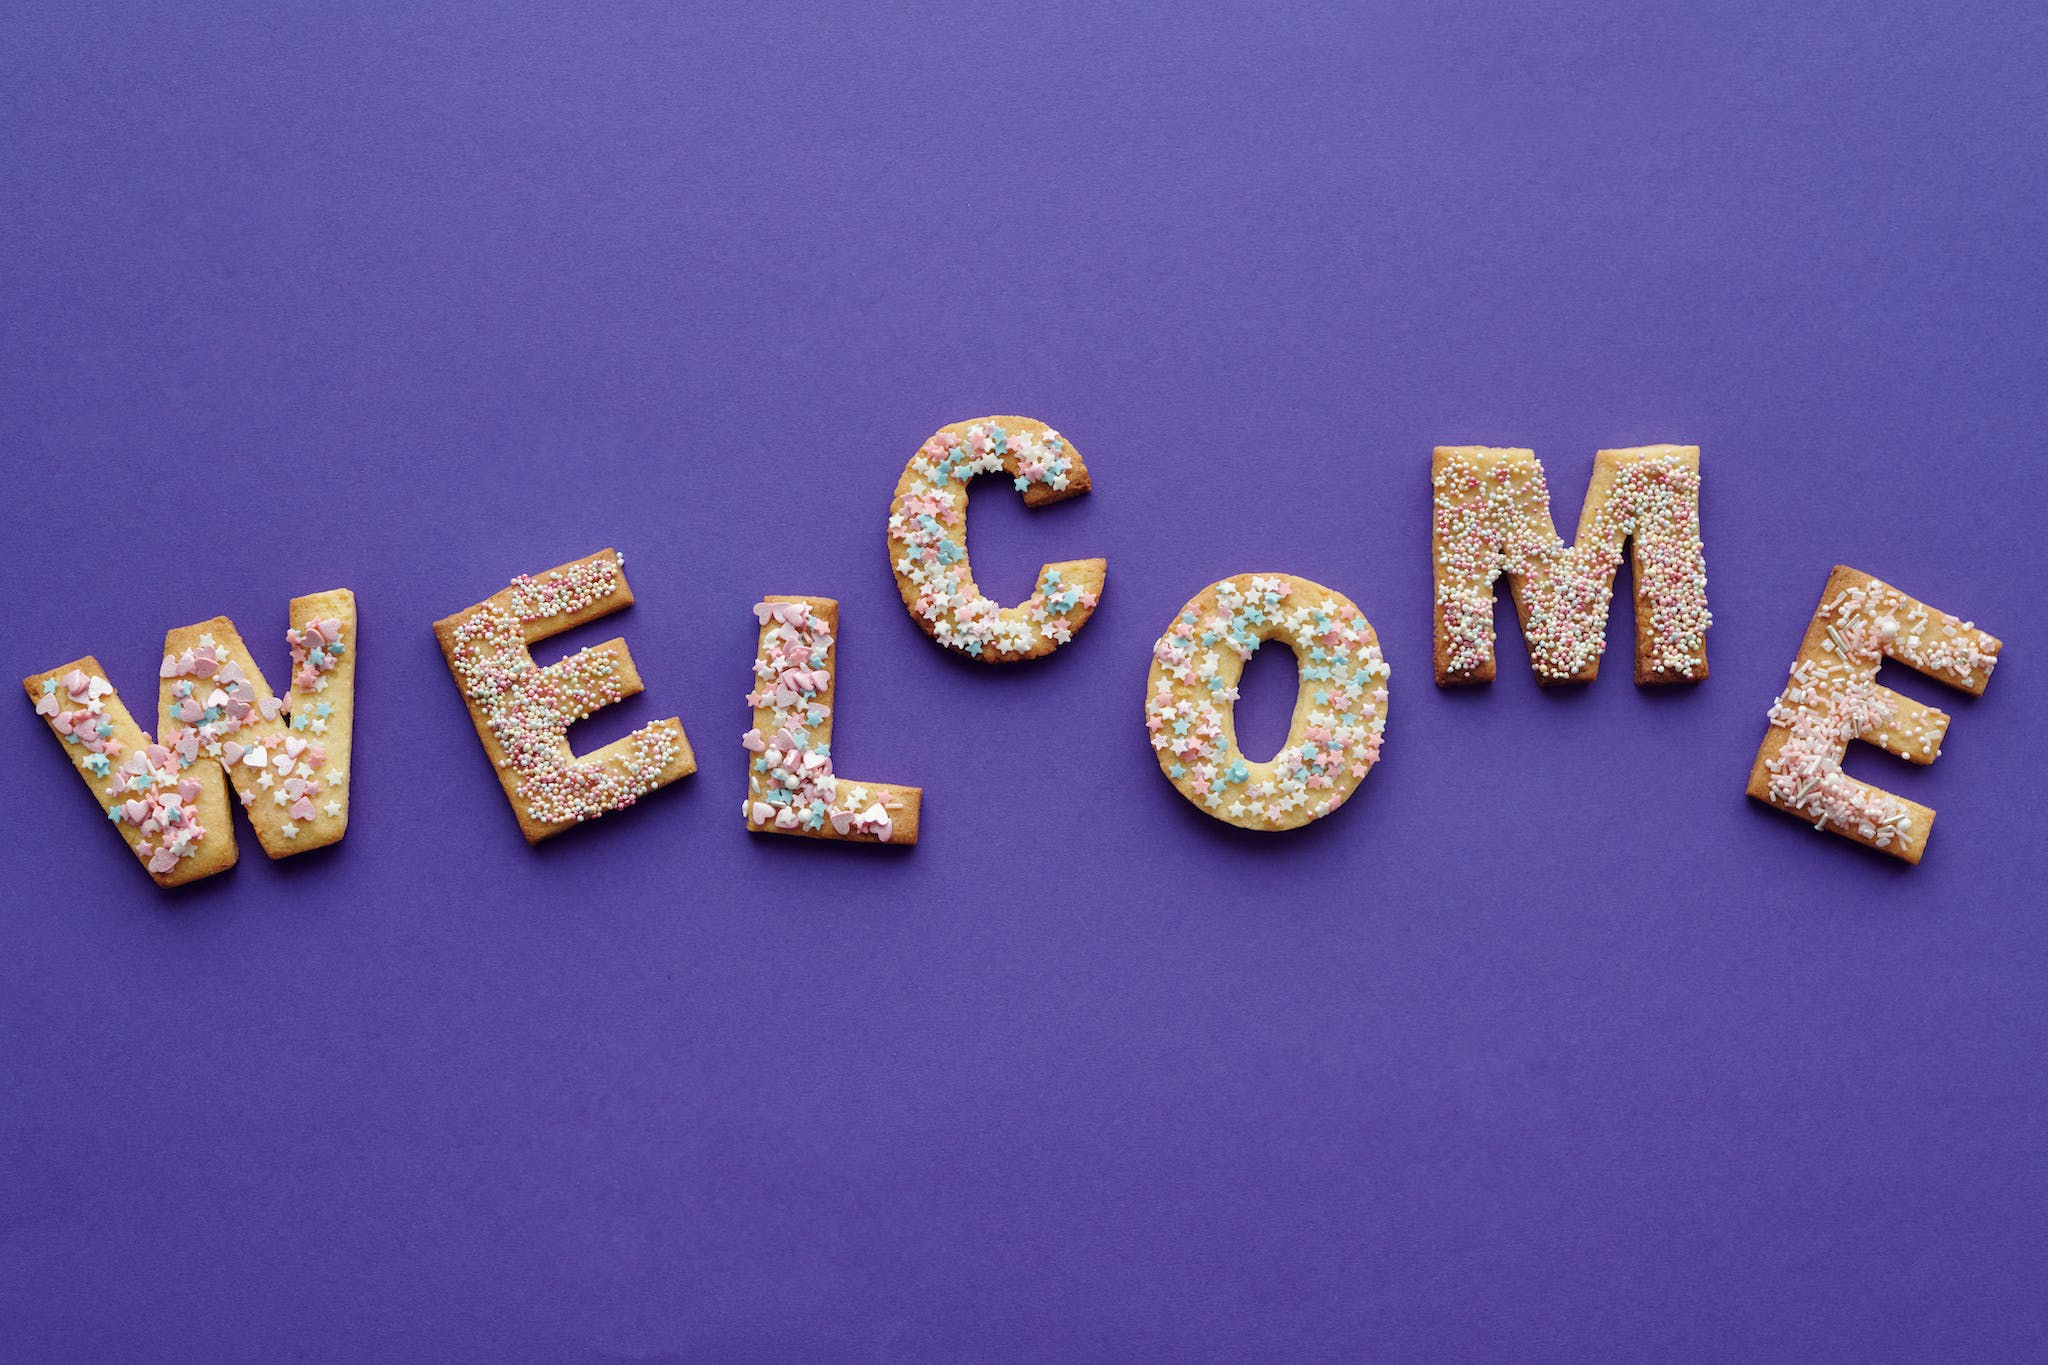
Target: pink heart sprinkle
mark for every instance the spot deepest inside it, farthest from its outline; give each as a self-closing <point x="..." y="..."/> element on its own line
<point x="164" y="861"/>
<point x="269" y="707"/>
<point x="231" y="753"/>
<point x="188" y="790"/>
<point x="302" y="809"/>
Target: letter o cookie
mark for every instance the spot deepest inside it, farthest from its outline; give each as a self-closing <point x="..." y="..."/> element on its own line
<point x="1340" y="709"/>
<point x="928" y="540"/>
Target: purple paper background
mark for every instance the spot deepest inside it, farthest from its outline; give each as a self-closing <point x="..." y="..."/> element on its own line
<point x="1552" y="1047"/>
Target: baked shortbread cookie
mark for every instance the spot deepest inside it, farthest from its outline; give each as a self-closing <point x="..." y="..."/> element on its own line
<point x="320" y="711"/>
<point x="1340" y="708"/>
<point x="170" y="808"/>
<point x="288" y="757"/>
<point x="1492" y="517"/>
<point x="928" y="540"/>
<point x="1833" y="697"/>
<point x="791" y="785"/>
<point x="522" y="711"/>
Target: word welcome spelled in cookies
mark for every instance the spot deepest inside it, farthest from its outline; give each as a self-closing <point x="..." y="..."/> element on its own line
<point x="286" y="757"/>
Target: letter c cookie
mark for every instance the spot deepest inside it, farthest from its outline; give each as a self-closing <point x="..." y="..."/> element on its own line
<point x="928" y="540"/>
